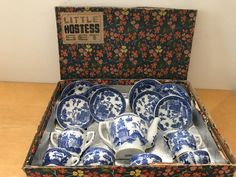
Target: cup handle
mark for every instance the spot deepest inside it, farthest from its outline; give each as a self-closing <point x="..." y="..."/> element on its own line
<point x="74" y="161"/>
<point x="53" y="136"/>
<point x="102" y="128"/>
<point x="89" y="139"/>
<point x="199" y="141"/>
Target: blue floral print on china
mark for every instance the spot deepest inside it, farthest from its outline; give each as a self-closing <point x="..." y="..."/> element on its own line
<point x="128" y="134"/>
<point x="174" y="112"/>
<point x="144" y="159"/>
<point x="168" y="89"/>
<point x="73" y="111"/>
<point x="98" y="156"/>
<point x="194" y="157"/>
<point x="182" y="141"/>
<point x="59" y="157"/>
<point x="141" y="86"/>
<point x="106" y="103"/>
<point x="73" y="140"/>
<point x="89" y="93"/>
<point x="145" y="104"/>
<point x="76" y="88"/>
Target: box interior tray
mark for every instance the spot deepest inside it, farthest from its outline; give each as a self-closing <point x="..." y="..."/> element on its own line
<point x="199" y="127"/>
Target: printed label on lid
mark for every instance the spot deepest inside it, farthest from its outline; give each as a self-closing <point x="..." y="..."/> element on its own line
<point x="82" y="27"/>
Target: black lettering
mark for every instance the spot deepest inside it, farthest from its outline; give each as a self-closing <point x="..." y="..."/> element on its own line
<point x="67" y="29"/>
<point x="72" y="29"/>
<point x="86" y="28"/>
<point x="82" y="28"/>
<point x="76" y="28"/>
<point x="97" y="29"/>
<point x="91" y="26"/>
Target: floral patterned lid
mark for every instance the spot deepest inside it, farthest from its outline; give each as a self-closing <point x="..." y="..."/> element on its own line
<point x="132" y="43"/>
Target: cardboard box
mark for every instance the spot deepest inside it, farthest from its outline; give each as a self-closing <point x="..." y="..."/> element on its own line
<point x="119" y="46"/>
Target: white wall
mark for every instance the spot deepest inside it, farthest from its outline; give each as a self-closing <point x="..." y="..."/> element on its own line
<point x="28" y="40"/>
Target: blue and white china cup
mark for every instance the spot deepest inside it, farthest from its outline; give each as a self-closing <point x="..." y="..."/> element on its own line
<point x="59" y="157"/>
<point x="182" y="141"/>
<point x="98" y="156"/>
<point x="73" y="140"/>
<point x="128" y="134"/>
<point x="144" y="159"/>
<point x="194" y="157"/>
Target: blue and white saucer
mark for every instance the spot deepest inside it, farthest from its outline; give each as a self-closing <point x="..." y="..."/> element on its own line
<point x="106" y="103"/>
<point x="76" y="88"/>
<point x="73" y="111"/>
<point x="141" y="86"/>
<point x="168" y="89"/>
<point x="98" y="156"/>
<point x="145" y="103"/>
<point x="174" y="113"/>
<point x="144" y="159"/>
<point x="89" y="93"/>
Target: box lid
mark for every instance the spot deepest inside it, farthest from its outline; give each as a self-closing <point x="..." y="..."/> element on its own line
<point x="105" y="42"/>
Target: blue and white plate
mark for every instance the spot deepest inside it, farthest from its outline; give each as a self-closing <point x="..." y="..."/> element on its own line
<point x="172" y="89"/>
<point x="141" y="86"/>
<point x="144" y="159"/>
<point x="76" y="88"/>
<point x="73" y="111"/>
<point x="89" y="93"/>
<point x="145" y="103"/>
<point x="174" y="113"/>
<point x="106" y="103"/>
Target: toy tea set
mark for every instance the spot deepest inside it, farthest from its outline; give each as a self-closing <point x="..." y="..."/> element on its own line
<point x="128" y="126"/>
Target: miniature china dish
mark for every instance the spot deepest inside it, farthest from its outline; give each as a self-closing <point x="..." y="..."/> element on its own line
<point x="168" y="89"/>
<point x="144" y="159"/>
<point x="98" y="156"/>
<point x="194" y="157"/>
<point x="174" y="112"/>
<point x="59" y="157"/>
<point x="89" y="93"/>
<point x="76" y="88"/>
<point x="141" y="86"/>
<point x="106" y="103"/>
<point x="145" y="103"/>
<point x="73" y="111"/>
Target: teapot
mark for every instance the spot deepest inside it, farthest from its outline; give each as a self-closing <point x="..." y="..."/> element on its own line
<point x="128" y="134"/>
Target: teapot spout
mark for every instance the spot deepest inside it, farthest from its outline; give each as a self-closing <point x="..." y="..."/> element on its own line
<point x="152" y="132"/>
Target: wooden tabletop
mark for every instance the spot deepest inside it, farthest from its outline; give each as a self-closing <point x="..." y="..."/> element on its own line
<point x="23" y="104"/>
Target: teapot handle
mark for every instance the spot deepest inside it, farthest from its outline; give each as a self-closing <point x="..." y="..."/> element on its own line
<point x="74" y="161"/>
<point x="54" y="138"/>
<point x="89" y="137"/>
<point x="152" y="132"/>
<point x="103" y="133"/>
<point x="199" y="141"/>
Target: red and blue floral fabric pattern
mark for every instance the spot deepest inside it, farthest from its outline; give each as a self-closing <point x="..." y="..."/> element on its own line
<point x="138" y="43"/>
